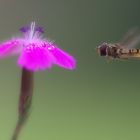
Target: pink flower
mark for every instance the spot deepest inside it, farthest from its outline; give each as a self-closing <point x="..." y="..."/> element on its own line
<point x="35" y="52"/>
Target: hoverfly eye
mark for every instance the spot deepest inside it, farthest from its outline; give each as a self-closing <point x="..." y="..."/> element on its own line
<point x="39" y="29"/>
<point x="24" y="29"/>
<point x="103" y="48"/>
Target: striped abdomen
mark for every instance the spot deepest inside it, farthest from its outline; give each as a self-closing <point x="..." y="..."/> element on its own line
<point x="126" y="53"/>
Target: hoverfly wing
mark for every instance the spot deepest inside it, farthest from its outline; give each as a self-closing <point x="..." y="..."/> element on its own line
<point x="131" y="39"/>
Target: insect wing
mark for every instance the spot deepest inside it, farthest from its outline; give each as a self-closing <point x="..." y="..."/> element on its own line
<point x="131" y="39"/>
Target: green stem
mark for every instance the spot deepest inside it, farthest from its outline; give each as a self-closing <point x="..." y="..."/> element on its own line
<point x="25" y="100"/>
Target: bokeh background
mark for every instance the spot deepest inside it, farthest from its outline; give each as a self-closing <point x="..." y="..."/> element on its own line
<point x="98" y="100"/>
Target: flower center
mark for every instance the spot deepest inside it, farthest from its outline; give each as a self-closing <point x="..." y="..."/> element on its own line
<point x="32" y="31"/>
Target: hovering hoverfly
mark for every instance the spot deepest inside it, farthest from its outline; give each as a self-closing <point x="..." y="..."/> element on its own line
<point x="124" y="49"/>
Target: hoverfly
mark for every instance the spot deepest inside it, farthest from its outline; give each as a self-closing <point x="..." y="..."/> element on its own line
<point x="124" y="49"/>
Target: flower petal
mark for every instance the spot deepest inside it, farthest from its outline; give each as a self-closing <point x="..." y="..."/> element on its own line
<point x="35" y="57"/>
<point x="62" y="58"/>
<point x="10" y="47"/>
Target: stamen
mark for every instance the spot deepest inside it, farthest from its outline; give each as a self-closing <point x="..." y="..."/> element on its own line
<point x="39" y="29"/>
<point x="32" y="30"/>
<point x="24" y="29"/>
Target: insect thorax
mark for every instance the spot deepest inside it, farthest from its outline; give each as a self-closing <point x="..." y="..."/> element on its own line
<point x="112" y="50"/>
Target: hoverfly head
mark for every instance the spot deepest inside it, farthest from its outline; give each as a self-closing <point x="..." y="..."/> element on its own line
<point x="101" y="49"/>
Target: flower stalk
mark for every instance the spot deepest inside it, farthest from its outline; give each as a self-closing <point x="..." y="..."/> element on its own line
<point x="25" y="100"/>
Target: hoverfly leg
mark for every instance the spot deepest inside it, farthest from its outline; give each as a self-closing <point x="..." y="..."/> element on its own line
<point x="109" y="59"/>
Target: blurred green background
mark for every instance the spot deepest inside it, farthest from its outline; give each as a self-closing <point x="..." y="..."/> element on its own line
<point x="98" y="100"/>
